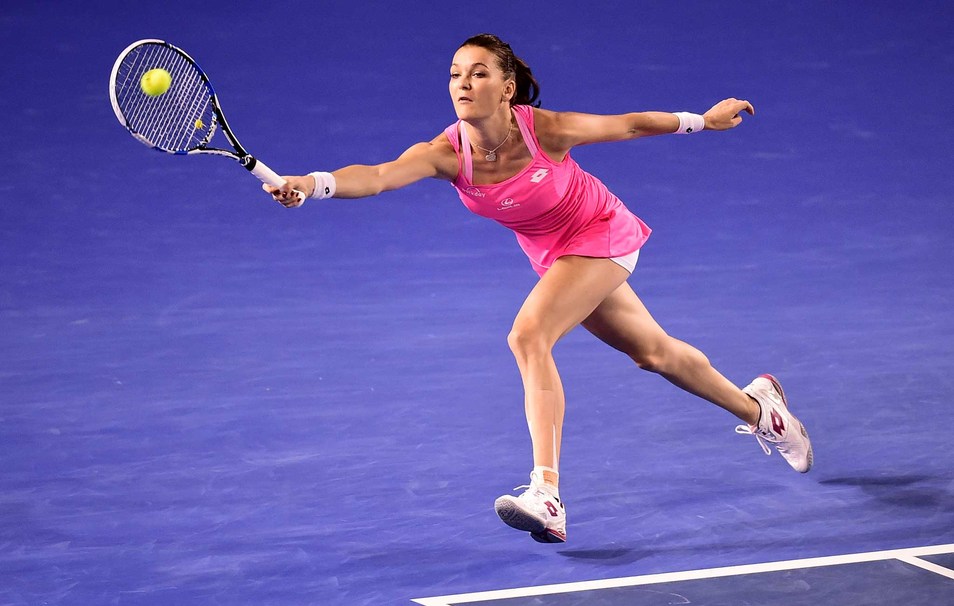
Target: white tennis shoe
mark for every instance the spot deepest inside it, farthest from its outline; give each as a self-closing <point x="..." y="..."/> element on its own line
<point x="778" y="426"/>
<point x="537" y="511"/>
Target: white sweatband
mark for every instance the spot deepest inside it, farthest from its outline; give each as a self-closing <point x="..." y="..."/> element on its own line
<point x="689" y="123"/>
<point x="325" y="185"/>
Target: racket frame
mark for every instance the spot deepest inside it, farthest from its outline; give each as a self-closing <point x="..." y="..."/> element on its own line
<point x="248" y="161"/>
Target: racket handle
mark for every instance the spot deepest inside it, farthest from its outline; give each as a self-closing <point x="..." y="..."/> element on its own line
<point x="267" y="175"/>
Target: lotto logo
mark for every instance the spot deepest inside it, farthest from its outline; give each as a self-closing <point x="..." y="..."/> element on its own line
<point x="778" y="424"/>
<point x="539" y="175"/>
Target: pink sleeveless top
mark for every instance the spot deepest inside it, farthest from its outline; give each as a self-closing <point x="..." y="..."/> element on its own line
<point x="554" y="209"/>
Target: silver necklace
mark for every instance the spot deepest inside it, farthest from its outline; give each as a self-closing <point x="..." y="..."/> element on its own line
<point x="492" y="153"/>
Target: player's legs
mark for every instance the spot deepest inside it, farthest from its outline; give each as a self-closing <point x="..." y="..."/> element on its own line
<point x="623" y="322"/>
<point x="569" y="292"/>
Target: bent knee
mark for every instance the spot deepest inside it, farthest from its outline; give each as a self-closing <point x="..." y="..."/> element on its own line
<point x="526" y="339"/>
<point x="652" y="362"/>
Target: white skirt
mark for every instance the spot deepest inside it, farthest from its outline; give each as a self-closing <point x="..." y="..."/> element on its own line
<point x="627" y="262"/>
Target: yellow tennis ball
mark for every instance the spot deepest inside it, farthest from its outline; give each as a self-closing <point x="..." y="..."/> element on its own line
<point x="155" y="82"/>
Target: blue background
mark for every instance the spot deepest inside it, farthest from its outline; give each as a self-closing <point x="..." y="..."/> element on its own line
<point x="207" y="399"/>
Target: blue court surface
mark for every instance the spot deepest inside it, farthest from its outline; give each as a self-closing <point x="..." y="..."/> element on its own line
<point x="208" y="399"/>
<point x="906" y="576"/>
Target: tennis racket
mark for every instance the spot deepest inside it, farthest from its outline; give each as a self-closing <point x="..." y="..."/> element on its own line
<point x="183" y="119"/>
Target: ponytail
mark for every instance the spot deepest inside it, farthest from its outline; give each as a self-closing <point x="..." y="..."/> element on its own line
<point x="528" y="90"/>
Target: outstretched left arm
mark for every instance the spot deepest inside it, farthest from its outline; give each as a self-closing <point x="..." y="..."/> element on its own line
<point x="561" y="131"/>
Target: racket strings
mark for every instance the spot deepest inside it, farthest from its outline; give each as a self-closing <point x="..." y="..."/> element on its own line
<point x="182" y="118"/>
<point x="172" y="120"/>
<point x="134" y="103"/>
<point x="191" y="99"/>
<point x="144" y="112"/>
<point x="152" y="113"/>
<point x="184" y="128"/>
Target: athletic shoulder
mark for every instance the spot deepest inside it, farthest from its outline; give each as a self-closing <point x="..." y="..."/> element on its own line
<point x="545" y="118"/>
<point x="552" y="131"/>
<point x="438" y="152"/>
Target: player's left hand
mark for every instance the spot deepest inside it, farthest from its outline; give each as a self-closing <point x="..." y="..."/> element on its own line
<point x="725" y="114"/>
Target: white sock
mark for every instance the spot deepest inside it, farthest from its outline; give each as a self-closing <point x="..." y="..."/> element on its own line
<point x="551" y="488"/>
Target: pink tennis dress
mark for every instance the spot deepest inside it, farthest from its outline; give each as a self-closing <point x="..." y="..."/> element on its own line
<point x="554" y="209"/>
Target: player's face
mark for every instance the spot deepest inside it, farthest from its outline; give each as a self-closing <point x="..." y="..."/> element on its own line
<point x="477" y="85"/>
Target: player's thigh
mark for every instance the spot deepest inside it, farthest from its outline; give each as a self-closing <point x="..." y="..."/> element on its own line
<point x="623" y="322"/>
<point x="569" y="292"/>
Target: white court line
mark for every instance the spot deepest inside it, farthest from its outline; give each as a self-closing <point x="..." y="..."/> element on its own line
<point x="909" y="555"/>
<point x="944" y="572"/>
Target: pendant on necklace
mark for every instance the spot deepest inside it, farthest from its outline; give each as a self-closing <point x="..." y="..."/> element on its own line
<point x="492" y="153"/>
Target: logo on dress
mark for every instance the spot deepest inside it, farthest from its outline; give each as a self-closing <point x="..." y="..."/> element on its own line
<point x="507" y="204"/>
<point x="539" y="175"/>
<point x="473" y="191"/>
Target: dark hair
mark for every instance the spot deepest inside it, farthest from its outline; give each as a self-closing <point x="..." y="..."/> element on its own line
<point x="512" y="66"/>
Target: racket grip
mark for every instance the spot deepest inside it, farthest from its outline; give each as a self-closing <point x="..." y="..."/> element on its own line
<point x="267" y="175"/>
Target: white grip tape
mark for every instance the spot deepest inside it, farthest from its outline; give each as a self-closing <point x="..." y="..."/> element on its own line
<point x="267" y="175"/>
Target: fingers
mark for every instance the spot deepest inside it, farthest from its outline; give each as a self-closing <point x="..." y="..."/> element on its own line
<point x="733" y="108"/>
<point x="285" y="195"/>
<point x="736" y="106"/>
<point x="289" y="198"/>
<point x="739" y="106"/>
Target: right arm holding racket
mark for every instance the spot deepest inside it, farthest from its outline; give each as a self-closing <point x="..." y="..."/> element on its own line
<point x="435" y="158"/>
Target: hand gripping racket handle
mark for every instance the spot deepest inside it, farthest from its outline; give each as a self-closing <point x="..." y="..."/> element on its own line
<point x="267" y="175"/>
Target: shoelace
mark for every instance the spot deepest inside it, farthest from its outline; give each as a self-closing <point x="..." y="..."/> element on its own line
<point x="530" y="489"/>
<point x="745" y="430"/>
<point x="533" y="490"/>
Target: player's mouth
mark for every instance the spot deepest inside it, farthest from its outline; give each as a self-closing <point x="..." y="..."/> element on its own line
<point x="464" y="100"/>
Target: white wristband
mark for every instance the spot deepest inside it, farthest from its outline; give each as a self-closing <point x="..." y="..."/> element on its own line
<point x="689" y="123"/>
<point x="325" y="185"/>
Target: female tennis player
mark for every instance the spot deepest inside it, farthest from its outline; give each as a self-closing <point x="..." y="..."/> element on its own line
<point x="510" y="161"/>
